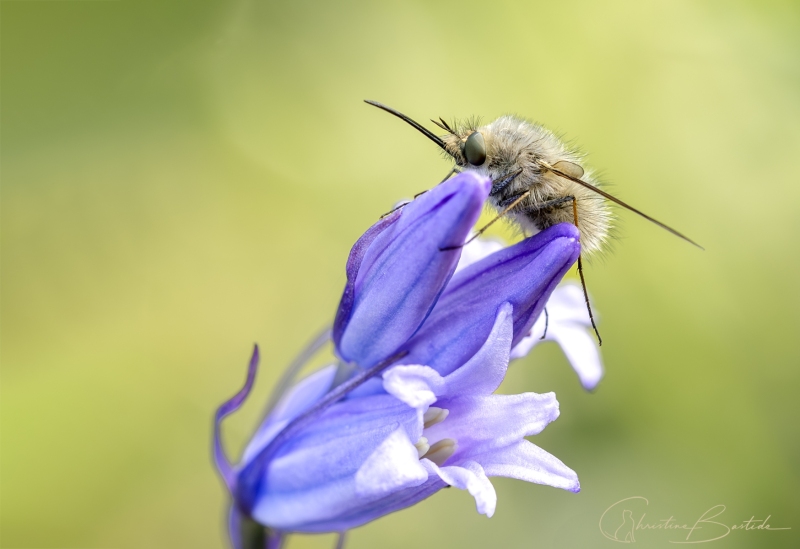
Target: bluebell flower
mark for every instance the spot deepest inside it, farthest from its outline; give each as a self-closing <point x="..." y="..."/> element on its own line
<point x="423" y="351"/>
<point x="362" y="458"/>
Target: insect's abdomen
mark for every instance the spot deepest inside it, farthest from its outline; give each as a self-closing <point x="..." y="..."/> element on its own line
<point x="594" y="216"/>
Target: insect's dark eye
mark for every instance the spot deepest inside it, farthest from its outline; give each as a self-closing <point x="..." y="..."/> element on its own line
<point x="475" y="149"/>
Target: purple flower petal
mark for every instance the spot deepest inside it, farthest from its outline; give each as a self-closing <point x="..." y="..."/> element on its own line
<point x="581" y="351"/>
<point x="523" y="275"/>
<point x="234" y="403"/>
<point x="485" y="370"/>
<point x="415" y="385"/>
<point x="469" y="476"/>
<point x="322" y="472"/>
<point x="526" y="461"/>
<point x="394" y="465"/>
<point x="235" y="527"/>
<point x="346" y="434"/>
<point x="482" y="423"/>
<point x="420" y="386"/>
<point x="397" y="270"/>
<point x="369" y="510"/>
<point x="352" y="267"/>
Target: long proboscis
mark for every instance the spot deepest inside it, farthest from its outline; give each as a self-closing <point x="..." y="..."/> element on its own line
<point x="616" y="200"/>
<point x="425" y="131"/>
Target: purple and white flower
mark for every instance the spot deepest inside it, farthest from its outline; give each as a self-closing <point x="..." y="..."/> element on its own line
<point x="346" y="445"/>
<point x="365" y="457"/>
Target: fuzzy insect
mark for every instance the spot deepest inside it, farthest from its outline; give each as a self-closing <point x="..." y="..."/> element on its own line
<point x="537" y="180"/>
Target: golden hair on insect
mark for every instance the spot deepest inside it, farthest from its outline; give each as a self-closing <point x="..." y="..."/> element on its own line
<point x="537" y="179"/>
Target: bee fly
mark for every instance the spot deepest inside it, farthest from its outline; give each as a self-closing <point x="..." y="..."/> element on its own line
<point x="537" y="180"/>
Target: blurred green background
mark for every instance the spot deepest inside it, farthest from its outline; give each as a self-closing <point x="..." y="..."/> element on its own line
<point x="182" y="179"/>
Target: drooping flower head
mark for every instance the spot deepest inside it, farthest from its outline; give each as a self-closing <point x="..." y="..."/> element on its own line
<point x="329" y="458"/>
<point x="362" y="458"/>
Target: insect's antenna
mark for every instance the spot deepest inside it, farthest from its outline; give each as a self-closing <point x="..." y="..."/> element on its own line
<point x="423" y="130"/>
<point x="441" y="125"/>
<point x="444" y="125"/>
<point x="616" y="200"/>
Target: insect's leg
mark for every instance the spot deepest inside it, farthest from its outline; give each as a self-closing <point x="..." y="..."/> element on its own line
<point x="583" y="282"/>
<point x="546" y="323"/>
<point x="516" y="200"/>
<point x="498" y="186"/>
<point x="542" y="206"/>
<point x="510" y="200"/>
<point x="455" y="170"/>
<point x="401" y="206"/>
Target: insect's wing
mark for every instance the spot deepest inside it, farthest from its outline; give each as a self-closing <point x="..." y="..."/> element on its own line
<point x="569" y="168"/>
<point x="617" y="201"/>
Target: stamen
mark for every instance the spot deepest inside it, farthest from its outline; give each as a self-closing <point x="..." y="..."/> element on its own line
<point x="441" y="451"/>
<point x="422" y="446"/>
<point x="434" y="415"/>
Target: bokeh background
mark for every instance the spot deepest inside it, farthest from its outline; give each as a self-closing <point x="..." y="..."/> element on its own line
<point x="183" y="179"/>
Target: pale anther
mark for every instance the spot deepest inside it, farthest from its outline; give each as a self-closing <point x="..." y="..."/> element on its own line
<point x="433" y="416"/>
<point x="440" y="451"/>
<point x="422" y="446"/>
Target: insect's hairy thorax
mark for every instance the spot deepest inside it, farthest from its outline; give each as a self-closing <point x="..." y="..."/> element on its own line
<point x="516" y="146"/>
